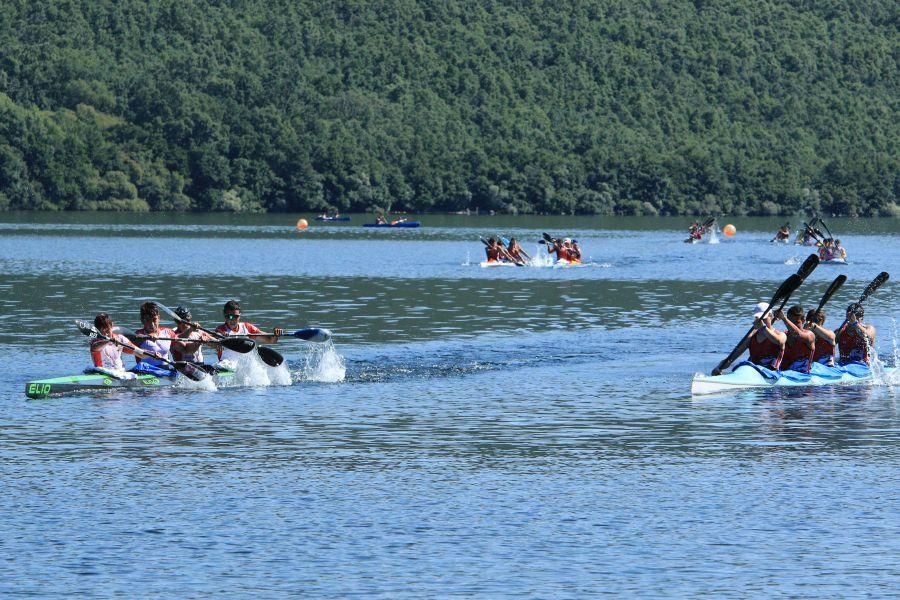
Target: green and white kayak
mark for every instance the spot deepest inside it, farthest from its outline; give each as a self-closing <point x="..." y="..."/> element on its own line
<point x="745" y="377"/>
<point x="98" y="381"/>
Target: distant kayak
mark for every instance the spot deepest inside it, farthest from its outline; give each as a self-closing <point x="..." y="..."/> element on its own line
<point x="486" y="264"/>
<point x="403" y="224"/>
<point x="834" y="261"/>
<point x="344" y="218"/>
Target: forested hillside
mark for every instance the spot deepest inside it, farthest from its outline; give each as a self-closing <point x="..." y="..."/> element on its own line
<point x="635" y="107"/>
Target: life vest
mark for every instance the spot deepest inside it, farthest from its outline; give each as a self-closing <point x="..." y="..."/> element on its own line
<point x="852" y="346"/>
<point x="823" y="351"/>
<point x="765" y="353"/>
<point x="797" y="355"/>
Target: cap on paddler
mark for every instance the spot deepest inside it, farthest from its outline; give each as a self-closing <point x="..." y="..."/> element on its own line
<point x="760" y="309"/>
<point x="183" y="313"/>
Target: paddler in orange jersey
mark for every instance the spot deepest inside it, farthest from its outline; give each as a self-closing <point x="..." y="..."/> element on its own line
<point x="516" y="253"/>
<point x="799" y="347"/>
<point x="493" y="251"/>
<point x="855" y="338"/>
<point x="766" y="344"/>
<point x="575" y="251"/>
<point x="560" y="249"/>
<point x="825" y="338"/>
<point x="783" y="233"/>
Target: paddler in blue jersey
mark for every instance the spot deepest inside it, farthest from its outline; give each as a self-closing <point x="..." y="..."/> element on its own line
<point x="800" y="343"/>
<point x="158" y="341"/>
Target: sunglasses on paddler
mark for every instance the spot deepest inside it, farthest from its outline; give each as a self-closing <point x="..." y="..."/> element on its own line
<point x="232" y="316"/>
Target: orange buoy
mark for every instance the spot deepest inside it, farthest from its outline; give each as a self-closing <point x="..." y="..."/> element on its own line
<point x="302" y="224"/>
<point x="729" y="230"/>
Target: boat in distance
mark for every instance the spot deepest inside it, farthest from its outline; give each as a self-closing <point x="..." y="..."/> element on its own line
<point x="746" y="376"/>
<point x="404" y="224"/>
<point x="101" y="380"/>
<point x="340" y="218"/>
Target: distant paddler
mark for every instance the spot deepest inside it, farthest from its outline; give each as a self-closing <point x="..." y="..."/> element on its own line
<point x="515" y="251"/>
<point x="783" y="234"/>
<point x="234" y="326"/>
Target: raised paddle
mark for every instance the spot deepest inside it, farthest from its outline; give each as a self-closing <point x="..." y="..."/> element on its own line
<point x="825" y="225"/>
<point x="870" y="289"/>
<point x="185" y="368"/>
<point x="835" y="286"/>
<point x="782" y="294"/>
<point x="268" y="356"/>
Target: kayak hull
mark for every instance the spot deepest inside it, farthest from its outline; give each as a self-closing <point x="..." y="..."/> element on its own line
<point x="92" y="382"/>
<point x="332" y="219"/>
<point x="833" y="261"/>
<point x="404" y="225"/>
<point x="488" y="264"/>
<point x="746" y="377"/>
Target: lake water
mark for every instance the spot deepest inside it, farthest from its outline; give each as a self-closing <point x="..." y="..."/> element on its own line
<point x="472" y="432"/>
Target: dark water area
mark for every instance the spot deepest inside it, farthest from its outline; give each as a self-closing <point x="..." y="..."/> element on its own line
<point x="473" y="431"/>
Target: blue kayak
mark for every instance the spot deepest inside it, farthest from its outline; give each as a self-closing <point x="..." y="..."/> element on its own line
<point x="403" y="224"/>
<point x="747" y="375"/>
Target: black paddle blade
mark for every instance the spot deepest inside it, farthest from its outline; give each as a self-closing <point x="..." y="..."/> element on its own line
<point x="784" y="291"/>
<point x="190" y="371"/>
<point x="548" y="237"/>
<point x="835" y="286"/>
<point x="87" y="329"/>
<point x="239" y="345"/>
<point x="269" y="356"/>
<point x="809" y="265"/>
<point x="312" y="334"/>
<point x="876" y="283"/>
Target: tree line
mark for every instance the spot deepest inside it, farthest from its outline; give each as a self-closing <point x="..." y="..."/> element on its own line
<point x="622" y="107"/>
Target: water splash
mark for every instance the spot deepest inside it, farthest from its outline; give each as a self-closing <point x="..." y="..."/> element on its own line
<point x="713" y="235"/>
<point x="322" y="363"/>
<point x="250" y="371"/>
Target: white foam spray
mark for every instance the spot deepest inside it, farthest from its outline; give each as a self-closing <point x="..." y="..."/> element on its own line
<point x="322" y="363"/>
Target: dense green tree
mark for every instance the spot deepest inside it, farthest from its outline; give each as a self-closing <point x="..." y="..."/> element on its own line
<point x="620" y="107"/>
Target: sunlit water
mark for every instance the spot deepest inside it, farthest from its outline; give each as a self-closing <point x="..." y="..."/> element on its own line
<point x="470" y="432"/>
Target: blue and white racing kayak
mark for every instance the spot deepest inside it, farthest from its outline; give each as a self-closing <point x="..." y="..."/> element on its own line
<point x="746" y="375"/>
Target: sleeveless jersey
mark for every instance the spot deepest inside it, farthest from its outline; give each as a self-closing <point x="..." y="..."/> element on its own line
<point x="852" y="346"/>
<point x="107" y="354"/>
<point x="160" y="347"/>
<point x="243" y="329"/>
<point x="797" y="355"/>
<point x="765" y="353"/>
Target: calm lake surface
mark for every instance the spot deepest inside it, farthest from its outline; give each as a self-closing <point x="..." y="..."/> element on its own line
<point x="479" y="432"/>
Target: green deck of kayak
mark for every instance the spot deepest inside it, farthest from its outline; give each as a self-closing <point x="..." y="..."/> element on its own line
<point x="43" y="388"/>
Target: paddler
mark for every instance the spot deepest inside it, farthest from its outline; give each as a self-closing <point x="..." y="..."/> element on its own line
<point x="559" y="248"/>
<point x="825" y="338"/>
<point x="800" y="343"/>
<point x="766" y="344"/>
<point x="234" y="326"/>
<point x="191" y="351"/>
<point x="106" y="354"/>
<point x="493" y="251"/>
<point x="515" y="252"/>
<point x="855" y="338"/>
<point x="575" y="251"/>
<point x="783" y="234"/>
<point x="157" y="345"/>
<point x="839" y="250"/>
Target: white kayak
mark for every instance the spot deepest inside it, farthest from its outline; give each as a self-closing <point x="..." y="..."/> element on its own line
<point x="745" y="376"/>
<point x="485" y="264"/>
<point x="834" y="261"/>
